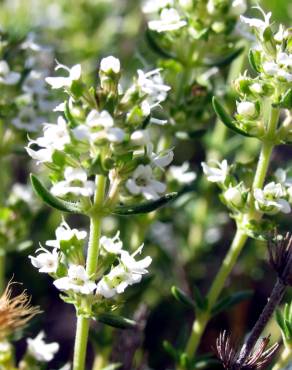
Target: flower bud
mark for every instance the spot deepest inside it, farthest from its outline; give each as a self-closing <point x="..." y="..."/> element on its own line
<point x="233" y="196"/>
<point x="110" y="65"/>
<point x="246" y="109"/>
<point x="256" y="88"/>
<point x="238" y="7"/>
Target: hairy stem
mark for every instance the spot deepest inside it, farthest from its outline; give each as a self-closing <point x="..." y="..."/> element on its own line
<point x="82" y="327"/>
<point x="284" y="360"/>
<point x="275" y="298"/>
<point x="238" y="242"/>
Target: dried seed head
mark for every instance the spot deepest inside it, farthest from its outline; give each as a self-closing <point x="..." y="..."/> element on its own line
<point x="257" y="360"/>
<point x="15" y="312"/>
<point x="280" y="258"/>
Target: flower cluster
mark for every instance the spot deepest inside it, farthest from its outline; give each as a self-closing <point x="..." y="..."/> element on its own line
<point x="272" y="60"/>
<point x="65" y="263"/>
<point x="107" y="132"/>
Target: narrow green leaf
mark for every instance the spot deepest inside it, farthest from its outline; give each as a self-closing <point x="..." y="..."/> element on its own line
<point x="144" y="207"/>
<point x="230" y="301"/>
<point x="288" y="330"/>
<point x="71" y="120"/>
<point x="254" y="58"/>
<point x="116" y="321"/>
<point x="226" y="119"/>
<point x="286" y="101"/>
<point x="222" y="62"/>
<point x="200" y="301"/>
<point x="51" y="200"/>
<point x="280" y="320"/>
<point x="182" y="297"/>
<point x="169" y="348"/>
<point x="206" y="364"/>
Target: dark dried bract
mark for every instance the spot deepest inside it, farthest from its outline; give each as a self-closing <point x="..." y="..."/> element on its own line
<point x="257" y="360"/>
<point x="280" y="257"/>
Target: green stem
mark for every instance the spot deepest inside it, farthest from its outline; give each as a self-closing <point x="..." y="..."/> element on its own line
<point x="238" y="242"/>
<point x="2" y="271"/>
<point x="82" y="327"/>
<point x="284" y="360"/>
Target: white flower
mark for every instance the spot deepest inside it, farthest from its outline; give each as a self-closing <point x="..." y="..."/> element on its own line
<point x="281" y="176"/>
<point x="128" y="272"/>
<point x="216" y="174"/>
<point x="6" y="76"/>
<point x="238" y="7"/>
<point x="142" y="182"/>
<point x="281" y="68"/>
<point x="97" y="120"/>
<point x="281" y="34"/>
<point x="55" y="137"/>
<point x="65" y="233"/>
<point x="35" y="84"/>
<point x="271" y="199"/>
<point x="5" y="347"/>
<point x="256" y="88"/>
<point x="58" y="82"/>
<point x="46" y="261"/>
<point x="27" y="120"/>
<point x="41" y="351"/>
<point x="181" y="173"/>
<point x="160" y="160"/>
<point x="170" y="20"/>
<point x="77" y="281"/>
<point x="140" y="137"/>
<point x="112" y="245"/>
<point x="75" y="183"/>
<point x="246" y="109"/>
<point x="110" y="64"/>
<point x="152" y="84"/>
<point x="258" y="24"/>
<point x="153" y="6"/>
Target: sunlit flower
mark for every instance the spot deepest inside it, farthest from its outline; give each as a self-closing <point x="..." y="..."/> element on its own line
<point x="77" y="280"/>
<point x="181" y="173"/>
<point x="218" y="173"/>
<point x="111" y="245"/>
<point x="140" y="137"/>
<point x="128" y="272"/>
<point x="170" y="20"/>
<point x="258" y="24"/>
<point x="159" y="160"/>
<point x="142" y="182"/>
<point x="46" y="262"/>
<point x="75" y="183"/>
<point x="238" y="7"/>
<point x="65" y="233"/>
<point x="58" y="82"/>
<point x="152" y="84"/>
<point x="41" y="351"/>
<point x="271" y="199"/>
<point x="6" y="76"/>
<point x="56" y="136"/>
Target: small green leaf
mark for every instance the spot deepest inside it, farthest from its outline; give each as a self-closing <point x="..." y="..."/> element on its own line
<point x="288" y="330"/>
<point x="51" y="200"/>
<point x="116" y="321"/>
<point x="171" y="350"/>
<point x="200" y="301"/>
<point x="144" y="207"/>
<point x="222" y="62"/>
<point x="280" y="319"/>
<point x="230" y="301"/>
<point x="254" y="58"/>
<point x="182" y="297"/>
<point x="71" y="120"/>
<point x="286" y="101"/>
<point x="206" y="364"/>
<point x="150" y="37"/>
<point x="226" y="119"/>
